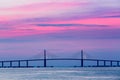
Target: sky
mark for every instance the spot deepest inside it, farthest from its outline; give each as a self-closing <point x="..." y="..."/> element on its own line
<point x="62" y="27"/>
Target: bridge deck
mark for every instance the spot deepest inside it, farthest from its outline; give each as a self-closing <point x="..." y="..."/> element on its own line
<point x="82" y="62"/>
<point x="45" y="61"/>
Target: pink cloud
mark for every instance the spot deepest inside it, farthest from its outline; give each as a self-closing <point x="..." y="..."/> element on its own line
<point x="26" y="30"/>
<point x="38" y="10"/>
<point x="113" y="22"/>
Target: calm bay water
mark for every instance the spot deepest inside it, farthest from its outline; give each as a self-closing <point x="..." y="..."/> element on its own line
<point x="60" y="74"/>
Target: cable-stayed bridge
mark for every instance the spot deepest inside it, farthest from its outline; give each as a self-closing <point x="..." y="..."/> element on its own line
<point x="79" y="59"/>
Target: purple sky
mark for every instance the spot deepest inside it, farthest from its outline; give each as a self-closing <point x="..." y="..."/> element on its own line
<point x="62" y="27"/>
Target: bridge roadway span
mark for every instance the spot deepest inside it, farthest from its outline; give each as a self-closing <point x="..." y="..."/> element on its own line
<point x="82" y="62"/>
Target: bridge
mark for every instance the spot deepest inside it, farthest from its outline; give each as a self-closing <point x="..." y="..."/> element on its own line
<point x="81" y="62"/>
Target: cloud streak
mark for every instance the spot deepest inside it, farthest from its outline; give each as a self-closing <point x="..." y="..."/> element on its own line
<point x="69" y="25"/>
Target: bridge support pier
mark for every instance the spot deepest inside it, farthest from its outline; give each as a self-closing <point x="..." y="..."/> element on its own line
<point x="117" y="63"/>
<point x="97" y="63"/>
<point x="10" y="63"/>
<point x="19" y="64"/>
<point x="111" y="63"/>
<point x="2" y="64"/>
<point x="104" y="63"/>
<point x="27" y="64"/>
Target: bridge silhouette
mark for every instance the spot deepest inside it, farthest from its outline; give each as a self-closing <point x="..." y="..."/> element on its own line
<point x="81" y="62"/>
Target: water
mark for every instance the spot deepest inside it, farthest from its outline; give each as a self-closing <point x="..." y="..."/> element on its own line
<point x="60" y="74"/>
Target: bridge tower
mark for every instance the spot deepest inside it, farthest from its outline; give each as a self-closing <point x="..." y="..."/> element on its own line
<point x="82" y="58"/>
<point x="45" y="58"/>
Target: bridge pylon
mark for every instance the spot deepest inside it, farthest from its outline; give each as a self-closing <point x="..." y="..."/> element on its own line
<point x="82" y="59"/>
<point x="45" y="62"/>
